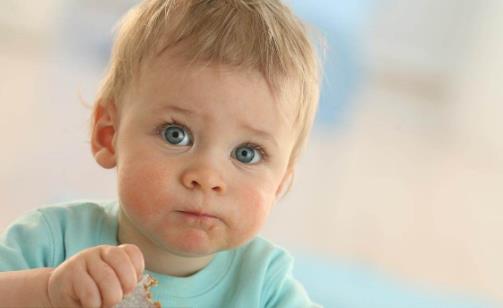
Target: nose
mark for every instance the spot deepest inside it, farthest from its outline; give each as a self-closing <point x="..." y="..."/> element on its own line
<point x="204" y="178"/>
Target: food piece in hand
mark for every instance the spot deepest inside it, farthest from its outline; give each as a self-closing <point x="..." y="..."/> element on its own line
<point x="141" y="296"/>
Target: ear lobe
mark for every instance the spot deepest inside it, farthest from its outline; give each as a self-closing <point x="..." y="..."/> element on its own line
<point x="103" y="135"/>
<point x="285" y="184"/>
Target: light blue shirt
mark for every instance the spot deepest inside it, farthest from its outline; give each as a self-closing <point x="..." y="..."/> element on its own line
<point x="257" y="274"/>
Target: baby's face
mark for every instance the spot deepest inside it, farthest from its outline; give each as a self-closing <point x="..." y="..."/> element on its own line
<point x="202" y="155"/>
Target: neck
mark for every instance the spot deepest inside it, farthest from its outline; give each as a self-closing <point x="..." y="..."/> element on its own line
<point x="158" y="259"/>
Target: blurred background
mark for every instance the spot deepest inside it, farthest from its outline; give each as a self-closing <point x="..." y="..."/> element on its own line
<point x="398" y="199"/>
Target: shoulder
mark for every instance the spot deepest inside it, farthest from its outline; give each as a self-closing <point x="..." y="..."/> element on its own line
<point x="80" y="212"/>
<point x="78" y="208"/>
<point x="272" y="265"/>
<point x="51" y="216"/>
<point x="271" y="256"/>
<point x="83" y="215"/>
<point x="77" y="225"/>
<point x="45" y="237"/>
<point x="261" y="260"/>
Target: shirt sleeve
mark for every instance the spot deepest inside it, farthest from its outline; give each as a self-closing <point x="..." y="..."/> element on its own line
<point x="282" y="289"/>
<point x="26" y="243"/>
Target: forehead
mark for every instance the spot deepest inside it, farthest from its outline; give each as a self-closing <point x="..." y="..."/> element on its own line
<point x="241" y="93"/>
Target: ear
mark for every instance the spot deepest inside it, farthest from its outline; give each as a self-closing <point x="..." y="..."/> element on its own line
<point x="286" y="183"/>
<point x="104" y="132"/>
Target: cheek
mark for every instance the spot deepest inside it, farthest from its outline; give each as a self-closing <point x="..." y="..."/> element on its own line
<point x="254" y="200"/>
<point x="141" y="189"/>
<point x="257" y="199"/>
<point x="254" y="206"/>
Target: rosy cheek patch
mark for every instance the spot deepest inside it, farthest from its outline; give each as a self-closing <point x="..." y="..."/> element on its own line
<point x="141" y="296"/>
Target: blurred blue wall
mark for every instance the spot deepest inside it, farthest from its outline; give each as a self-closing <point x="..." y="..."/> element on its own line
<point x="341" y="23"/>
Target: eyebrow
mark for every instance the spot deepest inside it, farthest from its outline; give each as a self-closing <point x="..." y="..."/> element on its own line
<point x="176" y="109"/>
<point x="260" y="133"/>
<point x="250" y="128"/>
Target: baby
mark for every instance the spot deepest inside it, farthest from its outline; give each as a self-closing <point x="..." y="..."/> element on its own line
<point x="203" y="112"/>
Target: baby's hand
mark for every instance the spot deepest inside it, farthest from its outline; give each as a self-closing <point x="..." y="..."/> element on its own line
<point x="96" y="277"/>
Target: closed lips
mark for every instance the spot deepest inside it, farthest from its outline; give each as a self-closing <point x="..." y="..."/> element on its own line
<point x="196" y="213"/>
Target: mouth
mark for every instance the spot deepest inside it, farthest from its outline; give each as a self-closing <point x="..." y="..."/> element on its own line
<point x="199" y="219"/>
<point x="197" y="214"/>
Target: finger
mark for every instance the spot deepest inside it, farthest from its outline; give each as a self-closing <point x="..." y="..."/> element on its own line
<point x="136" y="257"/>
<point x="120" y="262"/>
<point x="87" y="291"/>
<point x="106" y="280"/>
<point x="61" y="285"/>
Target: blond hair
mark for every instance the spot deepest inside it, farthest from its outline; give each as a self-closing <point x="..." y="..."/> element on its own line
<point x="258" y="34"/>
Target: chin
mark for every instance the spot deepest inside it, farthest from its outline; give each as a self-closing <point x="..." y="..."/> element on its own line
<point x="194" y="245"/>
<point x="193" y="251"/>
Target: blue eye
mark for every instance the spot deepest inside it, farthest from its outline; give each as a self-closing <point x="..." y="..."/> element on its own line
<point x="247" y="154"/>
<point x="176" y="135"/>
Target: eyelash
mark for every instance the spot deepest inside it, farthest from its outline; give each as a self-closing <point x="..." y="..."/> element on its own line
<point x="257" y="147"/>
<point x="161" y="128"/>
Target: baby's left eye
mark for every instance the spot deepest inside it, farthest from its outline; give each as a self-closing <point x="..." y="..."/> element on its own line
<point x="247" y="154"/>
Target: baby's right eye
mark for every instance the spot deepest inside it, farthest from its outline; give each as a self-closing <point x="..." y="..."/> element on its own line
<point x="176" y="135"/>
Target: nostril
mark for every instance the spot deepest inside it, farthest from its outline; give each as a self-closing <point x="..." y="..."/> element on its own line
<point x="194" y="184"/>
<point x="203" y="179"/>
